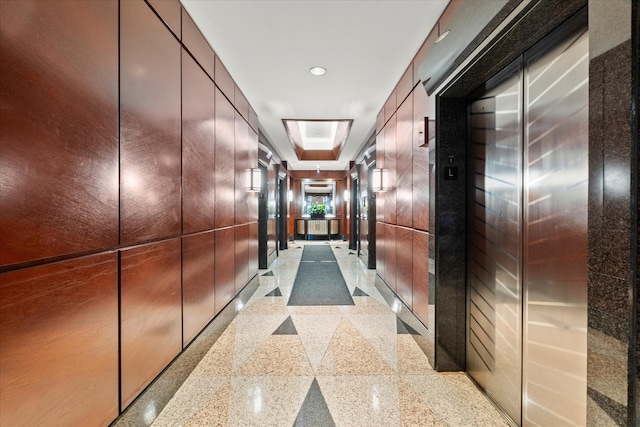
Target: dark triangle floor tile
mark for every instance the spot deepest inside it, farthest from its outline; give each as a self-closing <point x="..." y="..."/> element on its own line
<point x="403" y="328"/>
<point x="286" y="328"/>
<point x="268" y="273"/>
<point x="357" y="292"/>
<point x="274" y="293"/>
<point x="314" y="411"/>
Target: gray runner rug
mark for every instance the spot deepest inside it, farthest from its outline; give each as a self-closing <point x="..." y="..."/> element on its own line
<point x="319" y="280"/>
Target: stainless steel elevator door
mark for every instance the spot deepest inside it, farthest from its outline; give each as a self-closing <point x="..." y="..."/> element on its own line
<point x="495" y="243"/>
<point x="555" y="262"/>
<point x="527" y="245"/>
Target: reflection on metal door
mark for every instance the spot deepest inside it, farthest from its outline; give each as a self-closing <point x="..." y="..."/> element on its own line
<point x="495" y="242"/>
<point x="555" y="264"/>
<point x="527" y="268"/>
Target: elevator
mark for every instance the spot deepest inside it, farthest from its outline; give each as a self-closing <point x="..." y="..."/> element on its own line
<point x="527" y="233"/>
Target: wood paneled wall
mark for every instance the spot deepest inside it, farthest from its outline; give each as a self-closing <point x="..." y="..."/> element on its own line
<point x="124" y="223"/>
<point x="402" y="212"/>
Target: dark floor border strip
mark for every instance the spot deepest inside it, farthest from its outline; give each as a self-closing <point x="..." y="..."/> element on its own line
<point x="148" y="405"/>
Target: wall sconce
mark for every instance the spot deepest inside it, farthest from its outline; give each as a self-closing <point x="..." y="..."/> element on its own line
<point x="290" y="196"/>
<point x="346" y="196"/>
<point x="253" y="180"/>
<point x="379" y="180"/>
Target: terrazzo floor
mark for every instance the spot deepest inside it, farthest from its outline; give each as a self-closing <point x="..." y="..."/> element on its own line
<point x="351" y="365"/>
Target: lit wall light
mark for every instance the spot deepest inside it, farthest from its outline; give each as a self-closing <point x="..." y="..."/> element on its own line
<point x="441" y="36"/>
<point x="346" y="195"/>
<point x="290" y="196"/>
<point x="379" y="180"/>
<point x="253" y="180"/>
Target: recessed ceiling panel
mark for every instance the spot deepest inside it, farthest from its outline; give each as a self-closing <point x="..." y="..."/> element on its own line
<point x="317" y="139"/>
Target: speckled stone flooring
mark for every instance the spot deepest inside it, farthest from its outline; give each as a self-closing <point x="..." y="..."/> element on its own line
<point x="350" y="365"/>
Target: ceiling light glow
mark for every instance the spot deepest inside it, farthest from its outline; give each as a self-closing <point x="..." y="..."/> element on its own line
<point x="317" y="71"/>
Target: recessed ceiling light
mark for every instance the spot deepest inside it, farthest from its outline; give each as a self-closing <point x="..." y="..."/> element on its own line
<point x="317" y="71"/>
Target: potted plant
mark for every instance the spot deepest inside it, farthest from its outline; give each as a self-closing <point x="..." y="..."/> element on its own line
<point x="317" y="210"/>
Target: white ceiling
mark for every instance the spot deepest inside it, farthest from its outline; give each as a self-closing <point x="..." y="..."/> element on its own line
<point x="268" y="48"/>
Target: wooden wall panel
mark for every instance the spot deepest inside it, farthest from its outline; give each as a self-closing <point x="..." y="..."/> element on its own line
<point x="241" y="257"/>
<point x="241" y="103"/>
<point x="405" y="85"/>
<point x="198" y="162"/>
<point x="404" y="164"/>
<point x="390" y="256"/>
<point x="272" y="236"/>
<point x="253" y="249"/>
<point x="169" y="11"/>
<point x="59" y="343"/>
<point x="404" y="260"/>
<point x="150" y="148"/>
<point x="59" y="121"/>
<point x="225" y="273"/>
<point x="252" y="198"/>
<point x="253" y="121"/>
<point x="420" y="159"/>
<point x="224" y="163"/>
<point x="380" y="122"/>
<point x="224" y="81"/>
<point x="241" y="159"/>
<point x="197" y="45"/>
<point x="198" y="300"/>
<point x="390" y="106"/>
<point x="390" y="166"/>
<point x="380" y="249"/>
<point x="150" y="307"/>
<point x="380" y="197"/>
<point x="421" y="276"/>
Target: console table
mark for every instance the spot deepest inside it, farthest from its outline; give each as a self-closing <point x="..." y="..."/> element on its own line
<point x="310" y="228"/>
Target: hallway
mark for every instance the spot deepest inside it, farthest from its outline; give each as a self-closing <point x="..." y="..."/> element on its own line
<point x="348" y="365"/>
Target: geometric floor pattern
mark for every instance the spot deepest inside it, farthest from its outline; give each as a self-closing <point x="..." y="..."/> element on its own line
<point x="352" y="365"/>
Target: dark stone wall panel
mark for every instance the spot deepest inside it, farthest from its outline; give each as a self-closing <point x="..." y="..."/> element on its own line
<point x="150" y="205"/>
<point x="224" y="162"/>
<point x="609" y="358"/>
<point x="198" y="135"/>
<point x="225" y="273"/>
<point x="198" y="276"/>
<point x="59" y="121"/>
<point x="150" y="319"/>
<point x="59" y="343"/>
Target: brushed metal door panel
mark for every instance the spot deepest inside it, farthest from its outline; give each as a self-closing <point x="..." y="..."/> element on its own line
<point x="555" y="263"/>
<point x="494" y="269"/>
